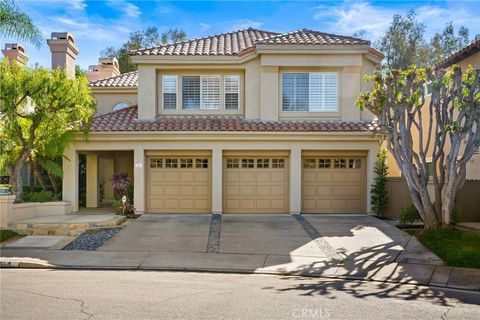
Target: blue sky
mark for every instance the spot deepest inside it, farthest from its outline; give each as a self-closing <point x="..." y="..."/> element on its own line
<point x="97" y="24"/>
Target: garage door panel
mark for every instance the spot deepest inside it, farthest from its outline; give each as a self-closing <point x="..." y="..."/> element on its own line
<point x="179" y="185"/>
<point x="263" y="183"/>
<point x="333" y="184"/>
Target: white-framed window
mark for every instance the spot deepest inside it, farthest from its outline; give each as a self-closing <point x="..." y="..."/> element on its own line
<point x="232" y="92"/>
<point x="169" y="89"/>
<point x="201" y="92"/>
<point x="310" y="92"/>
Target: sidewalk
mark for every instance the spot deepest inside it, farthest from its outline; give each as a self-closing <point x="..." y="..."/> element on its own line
<point x="411" y="273"/>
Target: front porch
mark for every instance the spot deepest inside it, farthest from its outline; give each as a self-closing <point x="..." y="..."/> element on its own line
<point x="95" y="172"/>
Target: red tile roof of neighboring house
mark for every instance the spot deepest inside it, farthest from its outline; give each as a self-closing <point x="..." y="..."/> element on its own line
<point x="311" y="37"/>
<point x="129" y="79"/>
<point x="458" y="56"/>
<point x="242" y="41"/>
<point x="125" y="120"/>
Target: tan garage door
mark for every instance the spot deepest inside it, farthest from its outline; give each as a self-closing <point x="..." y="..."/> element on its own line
<point x="256" y="184"/>
<point x="179" y="184"/>
<point x="333" y="184"/>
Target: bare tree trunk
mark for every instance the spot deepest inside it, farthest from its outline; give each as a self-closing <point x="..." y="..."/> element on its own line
<point x="54" y="183"/>
<point x="36" y="171"/>
<point x="14" y="171"/>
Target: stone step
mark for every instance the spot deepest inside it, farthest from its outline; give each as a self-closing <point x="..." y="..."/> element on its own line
<point x="65" y="229"/>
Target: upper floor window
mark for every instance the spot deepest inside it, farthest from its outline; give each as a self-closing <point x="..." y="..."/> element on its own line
<point x="309" y="92"/>
<point x="169" y="89"/>
<point x="232" y="91"/>
<point x="209" y="92"/>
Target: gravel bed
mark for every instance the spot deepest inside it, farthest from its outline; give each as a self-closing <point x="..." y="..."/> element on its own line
<point x="92" y="241"/>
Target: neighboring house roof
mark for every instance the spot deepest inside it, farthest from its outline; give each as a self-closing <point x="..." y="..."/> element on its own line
<point x="129" y="79"/>
<point x="311" y="37"/>
<point x="125" y="120"/>
<point x="458" y="56"/>
<point x="242" y="41"/>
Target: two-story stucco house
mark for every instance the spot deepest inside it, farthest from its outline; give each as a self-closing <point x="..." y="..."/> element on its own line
<point x="248" y="121"/>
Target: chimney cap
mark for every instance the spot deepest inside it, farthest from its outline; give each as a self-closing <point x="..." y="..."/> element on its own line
<point x="93" y="67"/>
<point x="108" y="61"/>
<point x="62" y="36"/>
<point x="15" y="46"/>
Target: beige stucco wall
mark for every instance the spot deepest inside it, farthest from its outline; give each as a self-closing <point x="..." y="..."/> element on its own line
<point x="106" y="100"/>
<point x="217" y="143"/>
<point x="260" y="86"/>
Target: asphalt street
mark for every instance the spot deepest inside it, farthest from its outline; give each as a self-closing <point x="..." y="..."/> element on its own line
<point x="77" y="294"/>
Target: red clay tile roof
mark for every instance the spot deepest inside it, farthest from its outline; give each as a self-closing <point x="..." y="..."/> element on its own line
<point x="458" y="56"/>
<point x="125" y="120"/>
<point x="311" y="37"/>
<point x="129" y="79"/>
<point x="225" y="44"/>
<point x="243" y="41"/>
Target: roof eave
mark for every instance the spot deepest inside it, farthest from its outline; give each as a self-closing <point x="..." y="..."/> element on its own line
<point x="129" y="89"/>
<point x="193" y="59"/>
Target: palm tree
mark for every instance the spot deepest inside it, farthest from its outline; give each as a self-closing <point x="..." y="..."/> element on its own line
<point x="15" y="23"/>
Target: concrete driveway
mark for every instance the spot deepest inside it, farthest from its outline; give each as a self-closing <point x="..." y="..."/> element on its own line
<point x="272" y="242"/>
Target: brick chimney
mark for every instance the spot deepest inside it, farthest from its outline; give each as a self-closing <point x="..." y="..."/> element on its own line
<point x="64" y="52"/>
<point x="106" y="68"/>
<point x="15" y="52"/>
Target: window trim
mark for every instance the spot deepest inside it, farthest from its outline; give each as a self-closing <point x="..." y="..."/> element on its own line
<point x="311" y="112"/>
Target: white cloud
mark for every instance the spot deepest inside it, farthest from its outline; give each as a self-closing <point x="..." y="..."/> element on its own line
<point x="350" y="17"/>
<point x="204" y="27"/>
<point x="127" y="8"/>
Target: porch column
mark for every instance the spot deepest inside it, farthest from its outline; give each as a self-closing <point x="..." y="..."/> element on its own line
<point x="70" y="177"/>
<point x="139" y="179"/>
<point x="92" y="181"/>
<point x="295" y="180"/>
<point x="217" y="180"/>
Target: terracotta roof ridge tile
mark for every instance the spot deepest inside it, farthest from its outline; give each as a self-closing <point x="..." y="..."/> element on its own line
<point x="200" y="38"/>
<point x="116" y="111"/>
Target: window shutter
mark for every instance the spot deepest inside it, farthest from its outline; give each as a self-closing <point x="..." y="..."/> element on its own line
<point x="191" y="92"/>
<point x="210" y="89"/>
<point x="316" y="92"/>
<point x="232" y="92"/>
<point x="169" y="84"/>
<point x="295" y="91"/>
<point x="330" y="92"/>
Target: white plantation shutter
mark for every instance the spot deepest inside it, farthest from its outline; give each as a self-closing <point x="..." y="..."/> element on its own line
<point x="323" y="92"/>
<point x="191" y="92"/>
<point x="210" y="91"/>
<point x="330" y="92"/>
<point x="232" y="91"/>
<point x="169" y="89"/>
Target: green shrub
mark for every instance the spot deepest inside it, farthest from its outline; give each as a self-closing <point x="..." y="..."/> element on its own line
<point x="41" y="196"/>
<point x="409" y="215"/>
<point x="456" y="214"/>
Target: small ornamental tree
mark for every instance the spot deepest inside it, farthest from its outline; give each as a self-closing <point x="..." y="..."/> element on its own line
<point x="379" y="188"/>
<point x="448" y="127"/>
<point x="40" y="112"/>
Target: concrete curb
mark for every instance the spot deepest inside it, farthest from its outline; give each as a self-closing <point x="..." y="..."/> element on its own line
<point x="440" y="276"/>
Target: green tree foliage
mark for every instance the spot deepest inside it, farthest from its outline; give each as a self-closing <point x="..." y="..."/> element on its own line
<point x="447" y="127"/>
<point x="446" y="43"/>
<point x="40" y="111"/>
<point x="15" y="23"/>
<point x="404" y="43"/>
<point x="379" y="191"/>
<point x="147" y="38"/>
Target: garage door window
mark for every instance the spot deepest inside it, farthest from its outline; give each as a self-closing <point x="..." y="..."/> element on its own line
<point x="248" y="163"/>
<point x="278" y="163"/>
<point x="309" y="163"/>
<point x="186" y="163"/>
<point x="156" y="163"/>
<point x="339" y="163"/>
<point x="171" y="163"/>
<point x="324" y="163"/>
<point x="233" y="163"/>
<point x="354" y="163"/>
<point x="201" y="163"/>
<point x="263" y="163"/>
